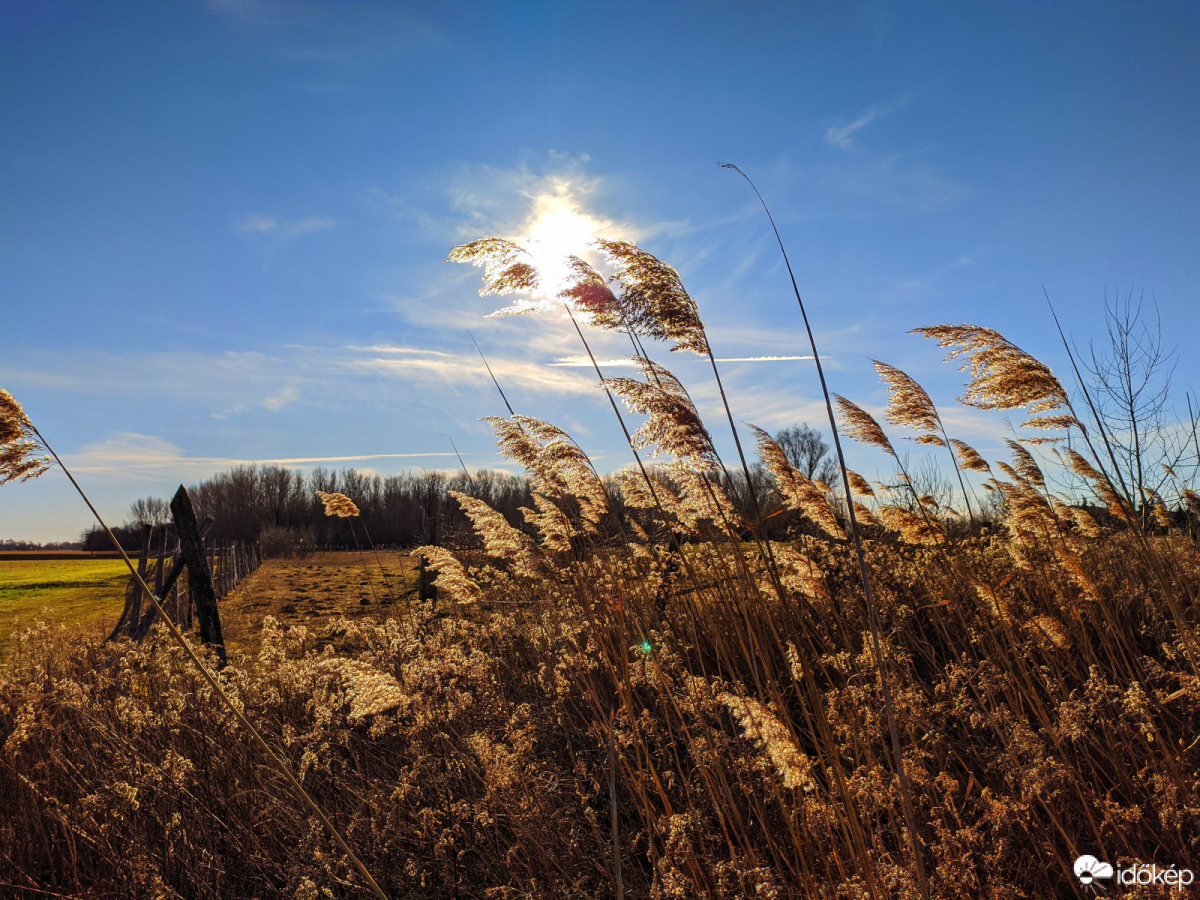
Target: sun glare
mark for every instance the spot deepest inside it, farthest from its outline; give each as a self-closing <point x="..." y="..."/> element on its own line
<point x="558" y="230"/>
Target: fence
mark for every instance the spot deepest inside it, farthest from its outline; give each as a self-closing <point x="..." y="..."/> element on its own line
<point x="227" y="563"/>
<point x="230" y="563"/>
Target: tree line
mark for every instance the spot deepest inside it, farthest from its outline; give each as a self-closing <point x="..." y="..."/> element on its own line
<point x="279" y="508"/>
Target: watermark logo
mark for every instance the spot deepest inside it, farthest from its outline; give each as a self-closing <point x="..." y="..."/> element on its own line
<point x="1094" y="873"/>
<point x="1091" y="872"/>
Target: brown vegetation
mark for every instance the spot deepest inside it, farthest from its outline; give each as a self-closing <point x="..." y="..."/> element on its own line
<point x="631" y="697"/>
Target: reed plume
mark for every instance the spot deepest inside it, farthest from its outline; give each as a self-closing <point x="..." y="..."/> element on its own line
<point x="860" y="484"/>
<point x="500" y="540"/>
<point x="1084" y="523"/>
<point x="574" y="470"/>
<point x="861" y="426"/>
<point x="775" y="739"/>
<point x="1026" y="465"/>
<point x="516" y="443"/>
<point x="551" y="523"/>
<point x="590" y="295"/>
<point x="1115" y="503"/>
<point x="702" y="498"/>
<point x="909" y="405"/>
<point x="653" y="298"/>
<point x="799" y="492"/>
<point x="1003" y="376"/>
<point x="969" y="458"/>
<point x="912" y="528"/>
<point x="452" y="578"/>
<point x="1162" y="518"/>
<point x="865" y="515"/>
<point x="800" y="573"/>
<point x="507" y="269"/>
<point x="673" y="425"/>
<point x="1192" y="500"/>
<point x="338" y="505"/>
<point x="22" y="454"/>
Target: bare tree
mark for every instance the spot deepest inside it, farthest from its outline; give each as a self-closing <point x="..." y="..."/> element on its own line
<point x="807" y="451"/>
<point x="151" y="511"/>
<point x="1130" y="375"/>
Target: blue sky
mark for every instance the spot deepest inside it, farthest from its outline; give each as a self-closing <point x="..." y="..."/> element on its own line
<point x="223" y="224"/>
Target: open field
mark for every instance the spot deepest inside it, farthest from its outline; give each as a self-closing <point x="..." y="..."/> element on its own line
<point x="305" y="591"/>
<point x="316" y="591"/>
<point x="67" y="591"/>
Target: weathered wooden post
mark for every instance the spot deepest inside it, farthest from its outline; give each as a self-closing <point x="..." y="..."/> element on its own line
<point x="200" y="586"/>
<point x="160" y="573"/>
<point x="147" y="531"/>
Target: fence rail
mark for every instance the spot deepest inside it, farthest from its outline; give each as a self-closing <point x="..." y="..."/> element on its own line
<point x="228" y="563"/>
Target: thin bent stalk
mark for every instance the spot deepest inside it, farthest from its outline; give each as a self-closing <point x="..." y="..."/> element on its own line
<point x="215" y="684"/>
<point x="872" y="609"/>
<point x="1095" y="416"/>
<point x="637" y="456"/>
<point x="363" y="558"/>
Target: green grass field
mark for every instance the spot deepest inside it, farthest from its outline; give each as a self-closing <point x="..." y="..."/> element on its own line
<point x="68" y="591"/>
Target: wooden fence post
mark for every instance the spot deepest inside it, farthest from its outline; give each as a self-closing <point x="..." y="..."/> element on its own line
<point x="200" y="584"/>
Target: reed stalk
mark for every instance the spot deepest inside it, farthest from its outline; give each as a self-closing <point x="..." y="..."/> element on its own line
<point x="872" y="607"/>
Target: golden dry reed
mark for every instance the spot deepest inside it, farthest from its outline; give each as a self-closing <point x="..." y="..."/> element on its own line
<point x="643" y="688"/>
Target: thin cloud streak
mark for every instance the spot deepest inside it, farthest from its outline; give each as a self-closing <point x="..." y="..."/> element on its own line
<point x="628" y="362"/>
<point x="843" y="136"/>
<point x="131" y="456"/>
<point x="285" y="228"/>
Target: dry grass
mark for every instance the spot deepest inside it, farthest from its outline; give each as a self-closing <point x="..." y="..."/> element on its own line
<point x="632" y="699"/>
<point x="313" y="590"/>
<point x="469" y="757"/>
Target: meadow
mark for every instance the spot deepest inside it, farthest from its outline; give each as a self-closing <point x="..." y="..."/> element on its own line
<point x="68" y="591"/>
<point x="638" y="688"/>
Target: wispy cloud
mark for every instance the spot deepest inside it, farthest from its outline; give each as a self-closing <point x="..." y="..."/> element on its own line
<point x="437" y="367"/>
<point x="284" y="228"/>
<point x="130" y="456"/>
<point x="229" y="384"/>
<point x="582" y="362"/>
<point x="843" y="135"/>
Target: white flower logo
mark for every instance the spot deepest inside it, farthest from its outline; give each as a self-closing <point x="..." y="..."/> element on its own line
<point x="1088" y="869"/>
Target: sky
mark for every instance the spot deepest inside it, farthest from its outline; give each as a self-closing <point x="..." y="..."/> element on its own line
<point x="224" y="224"/>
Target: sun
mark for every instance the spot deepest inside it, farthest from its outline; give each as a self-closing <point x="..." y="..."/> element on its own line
<point x="558" y="228"/>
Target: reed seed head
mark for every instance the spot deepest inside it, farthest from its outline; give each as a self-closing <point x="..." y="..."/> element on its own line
<point x="1026" y="465"/>
<point x="861" y="426"/>
<point x="508" y="268"/>
<point x="673" y="426"/>
<point x="859" y="485"/>
<point x="338" y="505"/>
<point x="1003" y="376"/>
<point x="22" y="453"/>
<point x="451" y="576"/>
<point x="969" y="458"/>
<point x="590" y="294"/>
<point x="909" y="405"/>
<point x="653" y="298"/>
<point x="799" y="492"/>
<point x="912" y="527"/>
